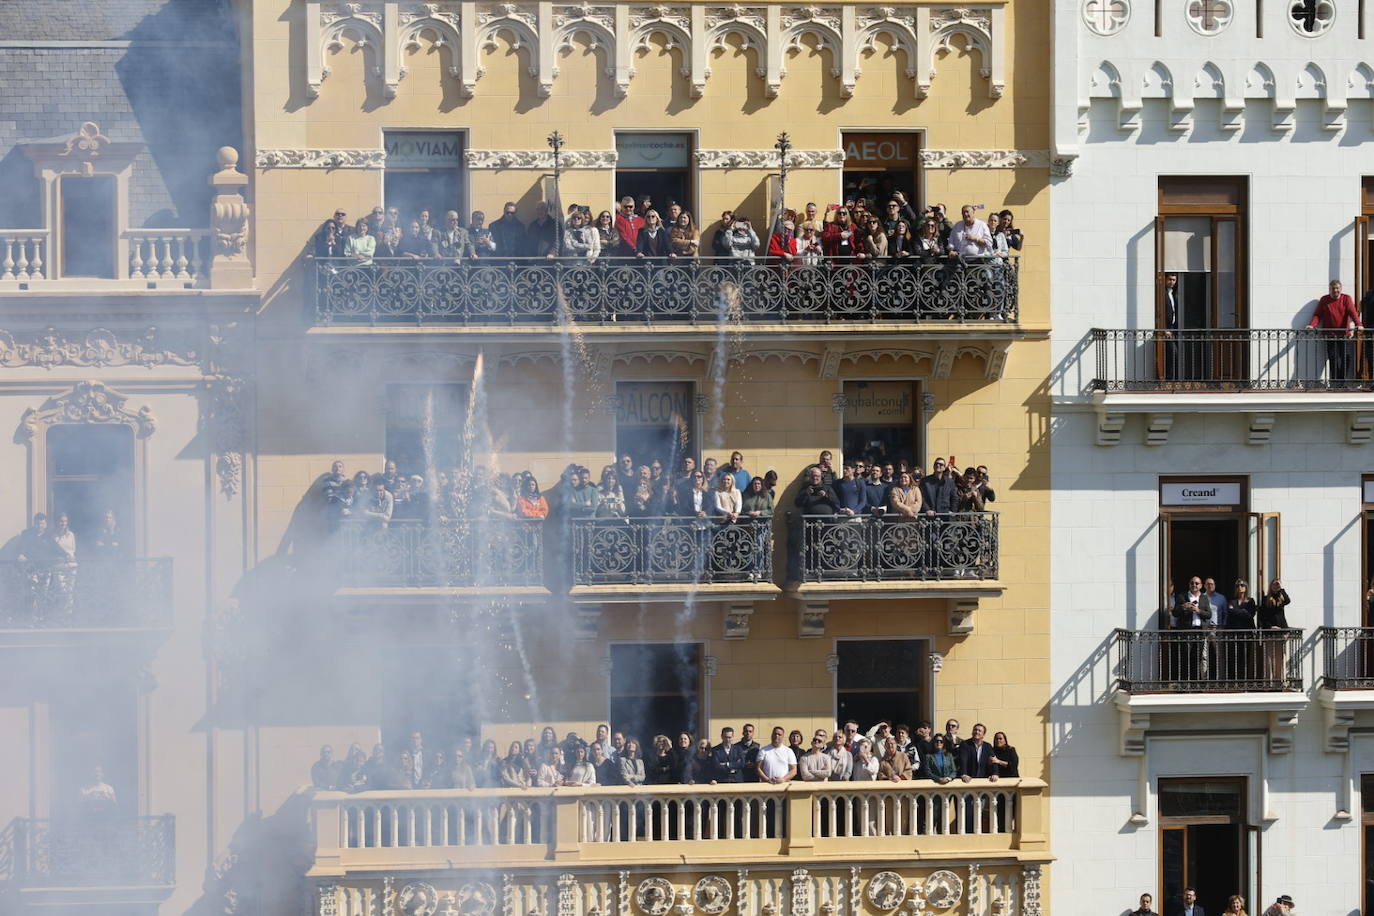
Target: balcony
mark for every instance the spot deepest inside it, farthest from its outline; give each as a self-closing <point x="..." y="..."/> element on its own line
<point x="460" y="557"/>
<point x="613" y="293"/>
<point x="1265" y="371"/>
<point x="1347" y="680"/>
<point x="672" y="558"/>
<point x="1211" y="671"/>
<point x="39" y="600"/>
<point x="99" y="860"/>
<point x="146" y="259"/>
<point x="614" y="826"/>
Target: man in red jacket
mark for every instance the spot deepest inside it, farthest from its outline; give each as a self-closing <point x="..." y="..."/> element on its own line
<point x="628" y="222"/>
<point x="1336" y="314"/>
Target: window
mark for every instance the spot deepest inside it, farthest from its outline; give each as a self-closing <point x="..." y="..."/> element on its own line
<point x="1200" y="241"/>
<point x="94" y="723"/>
<point x="424" y="171"/>
<point x="89" y="233"/>
<point x="653" y="421"/>
<point x="90" y="472"/>
<point x="1205" y="842"/>
<point x="657" y="164"/>
<point x="1205" y="531"/>
<point x="875" y="165"/>
<point x="880" y="421"/>
<point x="424" y="427"/>
<point x="881" y="679"/>
<point x="656" y="689"/>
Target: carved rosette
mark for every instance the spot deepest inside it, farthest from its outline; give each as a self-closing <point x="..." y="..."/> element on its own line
<point x="417" y="899"/>
<point x="477" y="899"/>
<point x="654" y="896"/>
<point x="943" y="889"/>
<point x="713" y="895"/>
<point x="886" y="890"/>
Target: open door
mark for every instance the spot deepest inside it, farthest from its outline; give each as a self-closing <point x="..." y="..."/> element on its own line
<point x="1161" y="311"/>
<point x="1230" y="352"/>
<point x="1263" y="549"/>
<point x="1364" y="361"/>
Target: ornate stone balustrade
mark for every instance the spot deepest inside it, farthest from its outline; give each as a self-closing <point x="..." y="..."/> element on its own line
<point x="167" y="254"/>
<point x="23" y="254"/>
<point x="373" y="832"/>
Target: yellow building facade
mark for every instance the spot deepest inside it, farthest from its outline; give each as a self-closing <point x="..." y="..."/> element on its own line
<point x="359" y="104"/>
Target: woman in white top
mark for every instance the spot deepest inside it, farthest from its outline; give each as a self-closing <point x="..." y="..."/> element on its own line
<point x="581" y="240"/>
<point x="551" y="770"/>
<point x="362" y="244"/>
<point x="580" y="772"/>
<point x="865" y="764"/>
<point x="727" y="499"/>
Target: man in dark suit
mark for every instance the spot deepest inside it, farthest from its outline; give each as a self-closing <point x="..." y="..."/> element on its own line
<point x="974" y="755"/>
<point x="1188" y="906"/>
<point x="727" y="758"/>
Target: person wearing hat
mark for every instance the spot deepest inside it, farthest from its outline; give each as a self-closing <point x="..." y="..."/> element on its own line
<point x="1280" y="907"/>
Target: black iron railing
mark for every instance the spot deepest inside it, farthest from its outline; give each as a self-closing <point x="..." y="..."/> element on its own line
<point x="517" y="291"/>
<point x="462" y="553"/>
<point x="834" y="548"/>
<point x="86" y="594"/>
<point x="1237" y="359"/>
<point x="662" y="551"/>
<point x="1206" y="659"/>
<point x="1347" y="658"/>
<point x="96" y="851"/>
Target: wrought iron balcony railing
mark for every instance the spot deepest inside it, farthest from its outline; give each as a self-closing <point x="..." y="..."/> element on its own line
<point x="458" y="553"/>
<point x="606" y="824"/>
<point x="1233" y="359"/>
<point x="1206" y="659"/>
<point x="519" y="291"/>
<point x="90" y="594"/>
<point x="835" y="548"/>
<point x="673" y="550"/>
<point x="1347" y="658"/>
<point x="96" y="851"/>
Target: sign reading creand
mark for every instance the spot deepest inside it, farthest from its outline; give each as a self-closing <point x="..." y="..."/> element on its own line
<point x="424" y="150"/>
<point x="1203" y="493"/>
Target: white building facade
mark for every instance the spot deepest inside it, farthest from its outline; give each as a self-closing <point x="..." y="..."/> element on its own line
<point x="1197" y="431"/>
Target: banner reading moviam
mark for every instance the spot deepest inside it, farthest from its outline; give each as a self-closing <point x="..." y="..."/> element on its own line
<point x="424" y="150"/>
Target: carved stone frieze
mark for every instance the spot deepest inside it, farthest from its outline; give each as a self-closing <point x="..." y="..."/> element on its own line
<point x="539" y="159"/>
<point x="88" y="402"/>
<point x="943" y="889"/>
<point x="540" y="29"/>
<point x="768" y="159"/>
<point x="985" y="158"/>
<point x="654" y="896"/>
<point x="320" y="159"/>
<point x="99" y="348"/>
<point x="886" y="890"/>
<point x="417" y="899"/>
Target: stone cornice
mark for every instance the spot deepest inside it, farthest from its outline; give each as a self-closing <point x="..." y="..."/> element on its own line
<point x="539" y="159"/>
<point x="768" y="159"/>
<point x="985" y="158"/>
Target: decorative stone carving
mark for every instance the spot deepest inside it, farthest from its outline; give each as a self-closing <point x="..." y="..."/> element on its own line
<point x="98" y="348"/>
<point x="801" y="893"/>
<point x="943" y="889"/>
<point x="682" y="904"/>
<point x="1030" y="890"/>
<point x="321" y="159"/>
<point x="224" y="420"/>
<point x="1106" y="17"/>
<point x="886" y="890"/>
<point x="539" y="159"/>
<point x="622" y="891"/>
<point x="768" y="159"/>
<point x="1061" y="166"/>
<point x="229" y="266"/>
<point x="985" y="158"/>
<point x="329" y="899"/>
<point x="476" y="899"/>
<point x="88" y="402"/>
<point x="937" y="663"/>
<point x="567" y="894"/>
<point x="88" y="143"/>
<point x="1208" y="17"/>
<point x="417" y="899"/>
<point x="654" y="896"/>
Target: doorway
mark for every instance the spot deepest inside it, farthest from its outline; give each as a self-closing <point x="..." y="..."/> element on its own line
<point x="91" y="472"/>
<point x="880" y="422"/>
<point x="656" y="689"/>
<point x="1207" y="531"/>
<point x="428" y="689"/>
<point x="659" y="165"/>
<point x="88" y="225"/>
<point x="881" y="680"/>
<point x="653" y="422"/>
<point x="878" y="164"/>
<point x="1205" y="842"/>
<point x="424" y="171"/>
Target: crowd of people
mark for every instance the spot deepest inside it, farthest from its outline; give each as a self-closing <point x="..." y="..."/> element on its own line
<point x="861" y="230"/>
<point x="723" y="491"/>
<point x="1186" y="905"/>
<point x="1202" y="610"/>
<point x="39" y="570"/>
<point x="886" y="752"/>
<point x="48" y="543"/>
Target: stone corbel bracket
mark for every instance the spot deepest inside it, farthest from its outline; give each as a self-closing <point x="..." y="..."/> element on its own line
<point x="737" y="616"/>
<point x="811" y="616"/>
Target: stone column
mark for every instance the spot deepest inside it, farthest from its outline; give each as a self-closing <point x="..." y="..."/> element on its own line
<point x="230" y="267"/>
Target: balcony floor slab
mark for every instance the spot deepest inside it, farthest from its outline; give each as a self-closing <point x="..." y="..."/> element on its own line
<point x="686" y="591"/>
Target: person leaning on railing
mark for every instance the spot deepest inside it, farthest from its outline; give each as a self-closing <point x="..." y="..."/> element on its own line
<point x="581" y="240"/>
<point x="683" y="242"/>
<point x="757" y="500"/>
<point x="362" y="245"/>
<point x="904" y="498"/>
<point x="728" y="504"/>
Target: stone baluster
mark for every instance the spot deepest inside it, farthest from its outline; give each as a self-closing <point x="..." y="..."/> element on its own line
<point x="183" y="242"/>
<point x="36" y="262"/>
<point x="7" y="265"/>
<point x="136" y="257"/>
<point x="21" y="261"/>
<point x="164" y="264"/>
